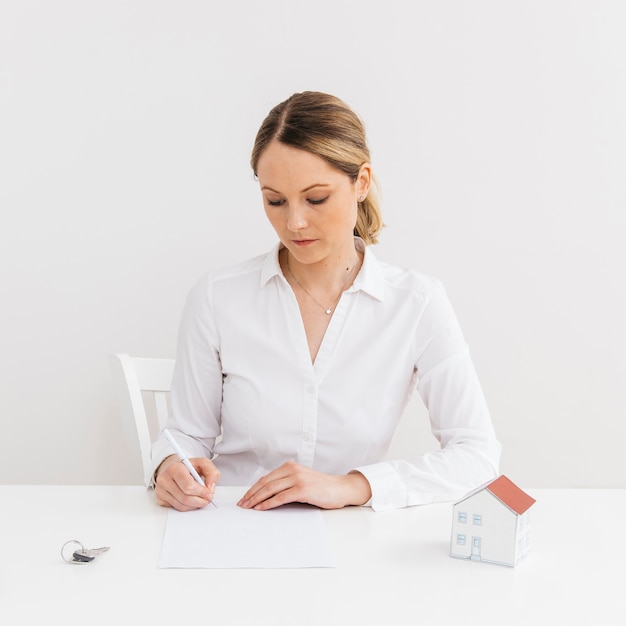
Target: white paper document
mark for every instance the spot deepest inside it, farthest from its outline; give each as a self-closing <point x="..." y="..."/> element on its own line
<point x="291" y="536"/>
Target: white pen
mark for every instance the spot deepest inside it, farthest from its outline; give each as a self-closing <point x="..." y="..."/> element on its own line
<point x="185" y="460"/>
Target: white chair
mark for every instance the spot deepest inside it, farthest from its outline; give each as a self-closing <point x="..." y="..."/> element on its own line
<point x="143" y="386"/>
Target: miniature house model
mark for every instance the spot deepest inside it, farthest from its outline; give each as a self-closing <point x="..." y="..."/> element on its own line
<point x="492" y="524"/>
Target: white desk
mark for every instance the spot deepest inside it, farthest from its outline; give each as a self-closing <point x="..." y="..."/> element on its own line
<point x="392" y="568"/>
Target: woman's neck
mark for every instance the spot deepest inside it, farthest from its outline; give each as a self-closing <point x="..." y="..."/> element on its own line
<point x="328" y="276"/>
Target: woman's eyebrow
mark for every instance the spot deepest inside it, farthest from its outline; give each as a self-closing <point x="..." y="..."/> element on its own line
<point x="267" y="188"/>
<point x="315" y="185"/>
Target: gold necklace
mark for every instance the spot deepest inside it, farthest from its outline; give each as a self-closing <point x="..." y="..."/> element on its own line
<point x="327" y="310"/>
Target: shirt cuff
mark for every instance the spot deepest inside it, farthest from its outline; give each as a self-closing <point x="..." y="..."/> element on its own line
<point x="388" y="491"/>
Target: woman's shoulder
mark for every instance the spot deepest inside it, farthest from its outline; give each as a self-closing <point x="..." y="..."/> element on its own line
<point x="226" y="272"/>
<point x="233" y="280"/>
<point x="408" y="289"/>
<point x="407" y="279"/>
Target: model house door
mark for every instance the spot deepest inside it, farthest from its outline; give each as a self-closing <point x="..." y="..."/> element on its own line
<point x="476" y="548"/>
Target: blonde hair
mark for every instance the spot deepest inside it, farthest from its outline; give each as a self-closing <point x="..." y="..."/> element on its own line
<point x="325" y="126"/>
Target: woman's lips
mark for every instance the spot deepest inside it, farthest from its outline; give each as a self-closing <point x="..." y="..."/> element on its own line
<point x="303" y="242"/>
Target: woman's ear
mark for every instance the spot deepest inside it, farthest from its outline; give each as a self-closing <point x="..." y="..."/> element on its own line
<point x="363" y="181"/>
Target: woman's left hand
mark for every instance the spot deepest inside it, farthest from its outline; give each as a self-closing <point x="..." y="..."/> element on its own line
<point x="292" y="482"/>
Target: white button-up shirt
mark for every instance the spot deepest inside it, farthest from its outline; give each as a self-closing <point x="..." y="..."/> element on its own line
<point x="246" y="392"/>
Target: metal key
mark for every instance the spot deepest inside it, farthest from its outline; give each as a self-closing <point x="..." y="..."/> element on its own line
<point x="86" y="556"/>
<point x="82" y="555"/>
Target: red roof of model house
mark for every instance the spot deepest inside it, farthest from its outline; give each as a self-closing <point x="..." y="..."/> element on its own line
<point x="510" y="494"/>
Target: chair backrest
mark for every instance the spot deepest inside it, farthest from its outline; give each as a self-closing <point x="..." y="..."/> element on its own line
<point x="143" y="386"/>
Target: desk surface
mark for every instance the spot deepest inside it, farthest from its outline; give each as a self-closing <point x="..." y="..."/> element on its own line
<point x="392" y="568"/>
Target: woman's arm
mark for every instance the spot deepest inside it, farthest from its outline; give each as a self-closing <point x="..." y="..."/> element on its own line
<point x="292" y="482"/>
<point x="459" y="418"/>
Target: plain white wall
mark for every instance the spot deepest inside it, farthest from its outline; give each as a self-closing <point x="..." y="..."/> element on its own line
<point x="497" y="130"/>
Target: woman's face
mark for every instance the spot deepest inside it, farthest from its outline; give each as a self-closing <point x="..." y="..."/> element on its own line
<point x="311" y="205"/>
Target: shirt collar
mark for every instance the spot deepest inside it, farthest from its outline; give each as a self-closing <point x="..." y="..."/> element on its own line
<point x="369" y="279"/>
<point x="271" y="266"/>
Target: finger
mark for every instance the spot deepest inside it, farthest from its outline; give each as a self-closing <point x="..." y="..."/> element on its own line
<point x="168" y="499"/>
<point x="179" y="489"/>
<point x="267" y="492"/>
<point x="208" y="471"/>
<point x="178" y="499"/>
<point x="281" y="472"/>
<point x="257" y="488"/>
<point x="168" y="494"/>
<point x="279" y="499"/>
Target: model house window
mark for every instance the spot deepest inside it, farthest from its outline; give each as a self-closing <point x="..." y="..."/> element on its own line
<point x="478" y="520"/>
<point x="463" y="518"/>
<point x="460" y="539"/>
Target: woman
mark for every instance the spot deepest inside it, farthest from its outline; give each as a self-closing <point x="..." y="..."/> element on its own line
<point x="304" y="358"/>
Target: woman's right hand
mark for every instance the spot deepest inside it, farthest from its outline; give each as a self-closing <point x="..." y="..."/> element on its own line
<point x="177" y="488"/>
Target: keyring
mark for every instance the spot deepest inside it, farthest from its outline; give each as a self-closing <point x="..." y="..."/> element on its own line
<point x="78" y="543"/>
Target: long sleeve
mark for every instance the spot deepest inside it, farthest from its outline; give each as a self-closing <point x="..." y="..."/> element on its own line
<point x="459" y="417"/>
<point x="196" y="392"/>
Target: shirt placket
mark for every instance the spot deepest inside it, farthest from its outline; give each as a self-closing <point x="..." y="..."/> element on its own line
<point x="309" y="423"/>
<point x="310" y="404"/>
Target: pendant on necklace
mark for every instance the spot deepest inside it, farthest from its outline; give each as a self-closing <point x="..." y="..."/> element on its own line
<point x="329" y="311"/>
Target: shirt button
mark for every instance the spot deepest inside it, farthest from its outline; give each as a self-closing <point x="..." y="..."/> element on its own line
<point x="310" y="389"/>
<point x="308" y="437"/>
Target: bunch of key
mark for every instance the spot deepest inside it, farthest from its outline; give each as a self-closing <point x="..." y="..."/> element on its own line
<point x="81" y="555"/>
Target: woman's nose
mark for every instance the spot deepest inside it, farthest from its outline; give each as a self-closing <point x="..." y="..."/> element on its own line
<point x="296" y="218"/>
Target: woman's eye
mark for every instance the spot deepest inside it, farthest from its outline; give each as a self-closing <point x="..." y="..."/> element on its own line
<point x="274" y="202"/>
<point x="318" y="200"/>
